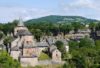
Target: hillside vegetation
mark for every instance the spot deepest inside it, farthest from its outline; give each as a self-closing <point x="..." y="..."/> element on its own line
<point x="61" y="19"/>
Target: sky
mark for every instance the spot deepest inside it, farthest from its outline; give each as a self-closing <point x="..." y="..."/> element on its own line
<point x="30" y="9"/>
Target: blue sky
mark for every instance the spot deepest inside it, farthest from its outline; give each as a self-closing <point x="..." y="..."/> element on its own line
<point x="29" y="9"/>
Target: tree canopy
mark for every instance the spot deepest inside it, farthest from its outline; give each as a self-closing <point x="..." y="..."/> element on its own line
<point x="7" y="62"/>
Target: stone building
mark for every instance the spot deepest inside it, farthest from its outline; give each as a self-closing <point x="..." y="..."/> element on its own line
<point x="55" y="54"/>
<point x="24" y="47"/>
<point x="27" y="50"/>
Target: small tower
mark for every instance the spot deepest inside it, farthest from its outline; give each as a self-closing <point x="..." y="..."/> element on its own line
<point x="20" y="23"/>
<point x="20" y="28"/>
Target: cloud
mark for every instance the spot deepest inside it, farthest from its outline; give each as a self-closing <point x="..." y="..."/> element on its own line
<point x="11" y="13"/>
<point x="87" y="8"/>
<point x="76" y="4"/>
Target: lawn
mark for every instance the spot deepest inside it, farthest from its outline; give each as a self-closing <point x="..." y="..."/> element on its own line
<point x="49" y="66"/>
<point x="43" y="56"/>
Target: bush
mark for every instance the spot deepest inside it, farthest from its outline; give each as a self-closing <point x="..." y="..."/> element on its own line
<point x="7" y="62"/>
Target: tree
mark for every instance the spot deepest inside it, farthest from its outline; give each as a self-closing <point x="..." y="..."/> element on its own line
<point x="1" y="35"/>
<point x="73" y="45"/>
<point x="7" y="41"/>
<point x="86" y="42"/>
<point x="98" y="26"/>
<point x="61" y="47"/>
<point x="65" y="28"/>
<point x="97" y="43"/>
<point x="92" y="26"/>
<point x="76" y="25"/>
<point x="7" y="62"/>
<point x="37" y="33"/>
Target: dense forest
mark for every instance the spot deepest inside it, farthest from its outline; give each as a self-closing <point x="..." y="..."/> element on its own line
<point x="53" y="24"/>
<point x="83" y="54"/>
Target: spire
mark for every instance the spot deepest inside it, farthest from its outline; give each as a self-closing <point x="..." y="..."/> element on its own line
<point x="20" y="23"/>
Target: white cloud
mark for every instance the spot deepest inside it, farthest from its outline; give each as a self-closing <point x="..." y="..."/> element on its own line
<point x="87" y="8"/>
<point x="11" y="13"/>
<point x="76" y="4"/>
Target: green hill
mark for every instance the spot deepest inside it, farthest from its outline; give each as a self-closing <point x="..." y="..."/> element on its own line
<point x="61" y="19"/>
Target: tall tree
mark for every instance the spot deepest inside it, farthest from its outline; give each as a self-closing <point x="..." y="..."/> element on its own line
<point x="76" y="25"/>
<point x="7" y="42"/>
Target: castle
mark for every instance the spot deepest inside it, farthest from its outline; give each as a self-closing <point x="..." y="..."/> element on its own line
<point x="27" y="50"/>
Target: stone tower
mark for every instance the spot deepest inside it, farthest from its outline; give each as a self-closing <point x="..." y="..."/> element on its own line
<point x="20" y="28"/>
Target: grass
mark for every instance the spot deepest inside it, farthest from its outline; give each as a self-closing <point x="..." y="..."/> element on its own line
<point x="44" y="56"/>
<point x="49" y="66"/>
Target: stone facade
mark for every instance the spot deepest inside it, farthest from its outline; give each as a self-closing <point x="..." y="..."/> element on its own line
<point x="28" y="61"/>
<point x="56" y="55"/>
<point x="15" y="54"/>
<point x="25" y="48"/>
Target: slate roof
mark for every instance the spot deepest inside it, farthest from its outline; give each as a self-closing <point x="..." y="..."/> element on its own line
<point x="50" y="41"/>
<point x="42" y="44"/>
<point x="23" y="32"/>
<point x="98" y="33"/>
<point x="29" y="46"/>
<point x="33" y="56"/>
<point x="52" y="48"/>
<point x="16" y="48"/>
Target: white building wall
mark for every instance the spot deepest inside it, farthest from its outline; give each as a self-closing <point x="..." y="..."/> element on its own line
<point x="67" y="48"/>
<point x="29" y="62"/>
<point x="15" y="54"/>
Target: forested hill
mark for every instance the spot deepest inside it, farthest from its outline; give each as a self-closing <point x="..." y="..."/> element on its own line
<point x="61" y="19"/>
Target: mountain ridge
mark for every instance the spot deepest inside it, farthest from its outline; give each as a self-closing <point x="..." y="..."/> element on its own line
<point x="62" y="19"/>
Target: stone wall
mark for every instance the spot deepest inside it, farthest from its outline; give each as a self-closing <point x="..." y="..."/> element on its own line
<point x="56" y="56"/>
<point x="15" y="54"/>
<point x="29" y="61"/>
<point x="30" y="51"/>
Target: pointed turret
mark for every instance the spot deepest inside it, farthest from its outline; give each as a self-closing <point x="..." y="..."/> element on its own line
<point x="20" y="23"/>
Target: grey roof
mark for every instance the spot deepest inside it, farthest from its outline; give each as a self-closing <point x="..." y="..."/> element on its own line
<point x="42" y="44"/>
<point x="15" y="48"/>
<point x="98" y="33"/>
<point x="52" y="48"/>
<point x="50" y="41"/>
<point x="1" y="31"/>
<point x="33" y="56"/>
<point x="23" y="32"/>
<point x="64" y="41"/>
<point x="84" y="30"/>
<point x="29" y="46"/>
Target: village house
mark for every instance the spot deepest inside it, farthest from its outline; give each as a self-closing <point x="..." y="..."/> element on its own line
<point x="81" y="33"/>
<point x="55" y="53"/>
<point x="26" y="49"/>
